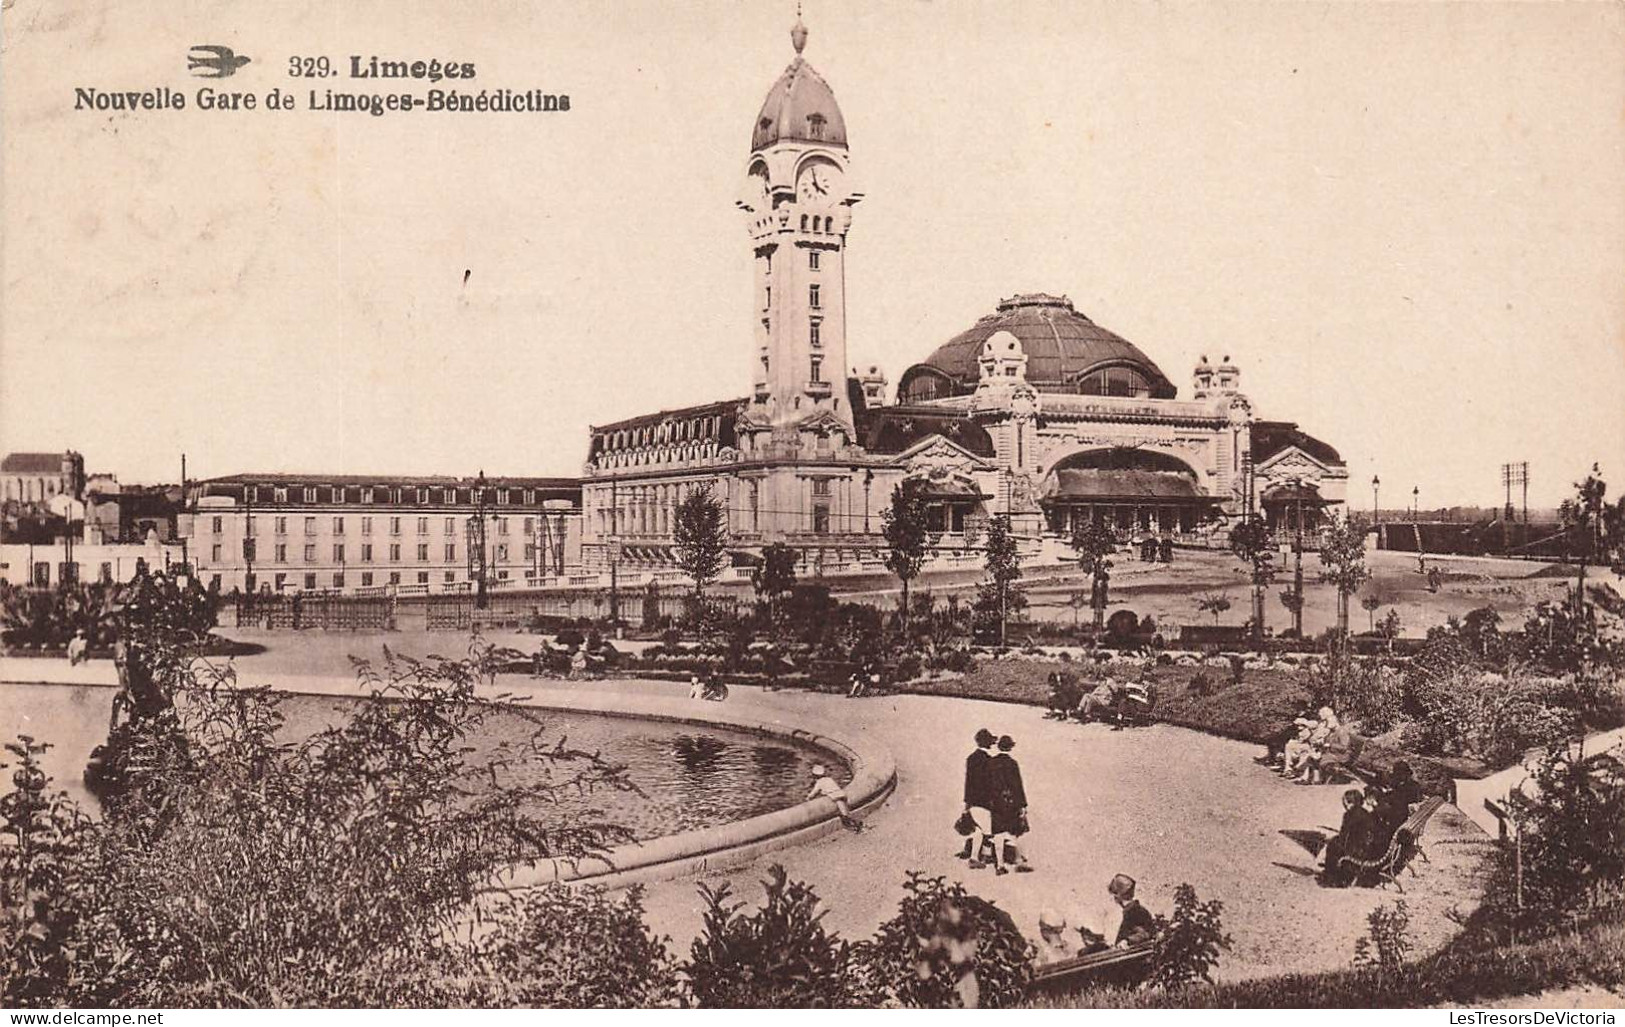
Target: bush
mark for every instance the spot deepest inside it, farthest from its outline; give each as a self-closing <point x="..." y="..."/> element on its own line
<point x="1189" y="943"/>
<point x="778" y="957"/>
<point x="577" y="948"/>
<point x="240" y="869"/>
<point x="1387" y="942"/>
<point x="945" y="948"/>
<point x="1488" y="716"/>
<point x="1201" y="684"/>
<point x="1572" y="821"/>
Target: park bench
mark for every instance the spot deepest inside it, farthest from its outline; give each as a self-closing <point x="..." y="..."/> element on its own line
<point x="1407" y="842"/>
<point x="1121" y="968"/>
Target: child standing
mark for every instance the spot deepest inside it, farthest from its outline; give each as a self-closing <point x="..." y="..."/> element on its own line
<point x="824" y="785"/>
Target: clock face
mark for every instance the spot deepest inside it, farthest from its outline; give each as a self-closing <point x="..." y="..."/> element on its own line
<point x="819" y="182"/>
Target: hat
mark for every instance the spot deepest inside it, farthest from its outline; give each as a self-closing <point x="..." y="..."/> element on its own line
<point x="984" y="738"/>
<point x="819" y="770"/>
<point x="1050" y="920"/>
<point x="1006" y="743"/>
<point x="1122" y="886"/>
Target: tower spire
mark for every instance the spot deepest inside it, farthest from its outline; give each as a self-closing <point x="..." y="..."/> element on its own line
<point x="798" y="33"/>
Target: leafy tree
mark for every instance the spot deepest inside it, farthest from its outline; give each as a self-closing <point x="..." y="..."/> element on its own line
<point x="945" y="948"/>
<point x="701" y="537"/>
<point x="1371" y="602"/>
<point x="1094" y="545"/>
<point x="1002" y="594"/>
<point x="1594" y="531"/>
<point x="1250" y="541"/>
<point x="774" y="576"/>
<point x="778" y="957"/>
<point x="1214" y="603"/>
<point x="909" y="539"/>
<point x="1342" y="557"/>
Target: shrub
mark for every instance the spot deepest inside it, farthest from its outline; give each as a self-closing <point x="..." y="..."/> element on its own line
<point x="1494" y="718"/>
<point x="1201" y="684"/>
<point x="1572" y="842"/>
<point x="775" y="958"/>
<point x="577" y="948"/>
<point x="945" y="948"/>
<point x="1188" y="943"/>
<point x="241" y="869"/>
<point x="1387" y="942"/>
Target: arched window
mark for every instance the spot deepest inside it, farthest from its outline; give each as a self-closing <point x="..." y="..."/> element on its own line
<point x="803" y="222"/>
<point x="1114" y="381"/>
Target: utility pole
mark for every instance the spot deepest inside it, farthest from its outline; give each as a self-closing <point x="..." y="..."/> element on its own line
<point x="476" y="544"/>
<point x="1297" y="575"/>
<point x="614" y="551"/>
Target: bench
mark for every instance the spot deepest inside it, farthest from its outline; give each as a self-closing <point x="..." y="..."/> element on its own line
<point x="1407" y="841"/>
<point x="1123" y="968"/>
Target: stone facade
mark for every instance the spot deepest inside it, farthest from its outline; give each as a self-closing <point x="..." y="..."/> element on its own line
<point x="1035" y="412"/>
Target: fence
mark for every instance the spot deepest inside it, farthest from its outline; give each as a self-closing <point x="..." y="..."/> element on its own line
<point x="306" y="610"/>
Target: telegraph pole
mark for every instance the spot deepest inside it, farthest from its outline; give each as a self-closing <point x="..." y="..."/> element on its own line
<point x="476" y="544"/>
<point x="614" y="551"/>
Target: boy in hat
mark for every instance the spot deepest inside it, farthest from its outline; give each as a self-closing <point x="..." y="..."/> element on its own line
<point x="826" y="786"/>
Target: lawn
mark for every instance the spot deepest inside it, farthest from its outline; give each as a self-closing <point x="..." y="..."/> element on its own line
<point x="1472" y="970"/>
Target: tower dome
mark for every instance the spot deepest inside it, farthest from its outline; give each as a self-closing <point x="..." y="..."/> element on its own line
<point x="800" y="106"/>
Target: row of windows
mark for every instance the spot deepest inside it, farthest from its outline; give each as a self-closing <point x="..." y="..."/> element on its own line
<point x="280" y="524"/>
<point x="686" y="430"/>
<point x="1110" y="381"/>
<point x="389" y="495"/>
<point x="280" y="552"/>
<point x="817" y="224"/>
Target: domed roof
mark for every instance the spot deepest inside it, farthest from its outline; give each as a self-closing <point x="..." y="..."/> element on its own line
<point x="800" y="106"/>
<point x="1061" y="345"/>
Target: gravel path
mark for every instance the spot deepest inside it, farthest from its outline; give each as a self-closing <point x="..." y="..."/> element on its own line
<point x="1163" y="804"/>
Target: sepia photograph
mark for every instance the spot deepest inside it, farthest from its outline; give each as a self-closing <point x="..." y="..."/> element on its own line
<point x="785" y="504"/>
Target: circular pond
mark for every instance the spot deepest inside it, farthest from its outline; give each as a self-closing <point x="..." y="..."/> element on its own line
<point x="689" y="777"/>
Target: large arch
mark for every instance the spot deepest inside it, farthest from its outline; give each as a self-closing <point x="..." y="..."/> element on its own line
<point x="1134" y="490"/>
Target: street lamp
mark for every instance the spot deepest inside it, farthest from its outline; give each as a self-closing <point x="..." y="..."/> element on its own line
<point x="1376" y="516"/>
<point x="1416" y="503"/>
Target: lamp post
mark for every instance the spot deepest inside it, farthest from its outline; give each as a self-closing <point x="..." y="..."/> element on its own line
<point x="1376" y="516"/>
<point x="1416" y="503"/>
<point x="868" y="482"/>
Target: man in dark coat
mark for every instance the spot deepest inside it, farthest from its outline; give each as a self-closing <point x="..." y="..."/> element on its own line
<point x="979" y="796"/>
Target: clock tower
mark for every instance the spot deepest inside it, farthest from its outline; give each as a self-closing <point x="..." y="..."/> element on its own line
<point x="798" y="207"/>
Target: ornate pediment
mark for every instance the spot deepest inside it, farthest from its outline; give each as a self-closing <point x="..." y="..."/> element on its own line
<point x="935" y="453"/>
<point x="1292" y="462"/>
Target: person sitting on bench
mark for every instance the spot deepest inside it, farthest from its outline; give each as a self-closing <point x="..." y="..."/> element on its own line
<point x="1353" y="838"/>
<point x="1101" y="701"/>
<point x="1053" y="945"/>
<point x="1400" y="794"/>
<point x="1135" y="924"/>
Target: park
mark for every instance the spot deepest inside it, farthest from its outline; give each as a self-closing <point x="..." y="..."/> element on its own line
<point x="609" y="787"/>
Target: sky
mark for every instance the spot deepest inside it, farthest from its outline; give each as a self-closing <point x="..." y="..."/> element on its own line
<point x="1404" y="222"/>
